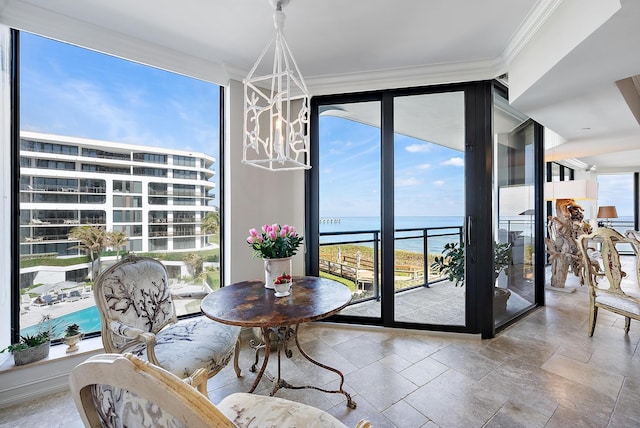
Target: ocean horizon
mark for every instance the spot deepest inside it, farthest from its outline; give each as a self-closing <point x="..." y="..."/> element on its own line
<point x="339" y="224"/>
<point x="367" y="225"/>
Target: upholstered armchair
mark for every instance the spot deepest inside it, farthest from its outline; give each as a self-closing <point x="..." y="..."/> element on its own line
<point x="606" y="290"/>
<point x="112" y="390"/>
<point x="138" y="316"/>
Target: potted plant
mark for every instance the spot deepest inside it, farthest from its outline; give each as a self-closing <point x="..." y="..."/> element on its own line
<point x="33" y="347"/>
<point x="276" y="245"/>
<point x="451" y="264"/>
<point x="72" y="336"/>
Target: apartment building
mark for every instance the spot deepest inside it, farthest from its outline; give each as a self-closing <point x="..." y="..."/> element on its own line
<point x="157" y="196"/>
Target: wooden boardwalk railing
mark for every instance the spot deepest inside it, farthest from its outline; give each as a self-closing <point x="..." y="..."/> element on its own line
<point x="360" y="271"/>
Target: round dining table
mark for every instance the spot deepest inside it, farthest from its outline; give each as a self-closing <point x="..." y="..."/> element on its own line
<point x="250" y="304"/>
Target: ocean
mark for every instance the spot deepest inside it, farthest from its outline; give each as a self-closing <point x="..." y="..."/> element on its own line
<point x="523" y="225"/>
<point x="404" y="240"/>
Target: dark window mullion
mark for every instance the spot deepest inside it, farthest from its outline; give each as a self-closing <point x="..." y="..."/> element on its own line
<point x="15" y="185"/>
<point x="387" y="210"/>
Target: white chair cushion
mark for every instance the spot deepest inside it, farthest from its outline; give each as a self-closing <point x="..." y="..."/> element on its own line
<point x="619" y="302"/>
<point x="259" y="411"/>
<point x="191" y="344"/>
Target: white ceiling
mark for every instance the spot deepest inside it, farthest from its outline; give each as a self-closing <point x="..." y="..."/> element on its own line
<point x="346" y="45"/>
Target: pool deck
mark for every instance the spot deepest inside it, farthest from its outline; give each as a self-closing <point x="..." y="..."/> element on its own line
<point x="34" y="313"/>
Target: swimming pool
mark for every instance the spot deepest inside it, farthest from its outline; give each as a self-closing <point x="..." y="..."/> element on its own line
<point x="88" y="319"/>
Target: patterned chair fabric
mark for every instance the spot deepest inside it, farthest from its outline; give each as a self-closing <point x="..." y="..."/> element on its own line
<point x="138" y="316"/>
<point x="609" y="293"/>
<point x="113" y="390"/>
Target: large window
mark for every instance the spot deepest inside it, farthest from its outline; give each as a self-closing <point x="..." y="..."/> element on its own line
<point x="88" y="122"/>
<point x="617" y="190"/>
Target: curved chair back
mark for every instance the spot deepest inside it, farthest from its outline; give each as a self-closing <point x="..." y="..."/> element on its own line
<point x="113" y="390"/>
<point x="134" y="292"/>
<point x="605" y="288"/>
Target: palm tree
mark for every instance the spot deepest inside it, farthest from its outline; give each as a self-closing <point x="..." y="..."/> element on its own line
<point x="194" y="262"/>
<point x="116" y="239"/>
<point x="211" y="223"/>
<point x="92" y="240"/>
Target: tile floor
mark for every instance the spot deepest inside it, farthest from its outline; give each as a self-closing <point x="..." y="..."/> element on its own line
<point x="542" y="372"/>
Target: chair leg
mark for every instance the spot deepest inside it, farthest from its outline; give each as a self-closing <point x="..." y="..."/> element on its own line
<point x="627" y="325"/>
<point x="236" y="354"/>
<point x="593" y="315"/>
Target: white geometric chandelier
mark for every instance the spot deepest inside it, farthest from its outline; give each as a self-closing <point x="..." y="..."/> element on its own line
<point x="276" y="108"/>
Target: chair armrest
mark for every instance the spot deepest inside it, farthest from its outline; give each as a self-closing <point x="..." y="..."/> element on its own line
<point x="137" y="335"/>
<point x="124" y="330"/>
<point x="198" y="380"/>
<point x="363" y="423"/>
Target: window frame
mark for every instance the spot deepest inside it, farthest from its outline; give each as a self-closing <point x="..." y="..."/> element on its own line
<point x="11" y="141"/>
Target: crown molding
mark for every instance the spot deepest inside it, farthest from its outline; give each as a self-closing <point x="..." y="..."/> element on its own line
<point x="23" y="16"/>
<point x="540" y="13"/>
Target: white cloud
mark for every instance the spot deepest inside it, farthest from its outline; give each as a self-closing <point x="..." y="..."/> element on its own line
<point x="424" y="166"/>
<point x="418" y="148"/>
<point x="438" y="182"/>
<point x="454" y="162"/>
<point x="406" y="182"/>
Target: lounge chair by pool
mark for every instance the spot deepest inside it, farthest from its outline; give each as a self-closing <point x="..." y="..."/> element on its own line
<point x="74" y="295"/>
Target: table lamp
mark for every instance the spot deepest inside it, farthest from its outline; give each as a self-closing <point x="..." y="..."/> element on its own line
<point x="608" y="212"/>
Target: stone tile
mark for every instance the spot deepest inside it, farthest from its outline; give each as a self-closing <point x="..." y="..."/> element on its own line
<point x="455" y="400"/>
<point x="607" y="383"/>
<point x="567" y="417"/>
<point x="395" y="362"/>
<point x="575" y="352"/>
<point x="403" y="415"/>
<point x="424" y="371"/>
<point x="542" y="371"/>
<point x="411" y="348"/>
<point x="533" y="350"/>
<point x="616" y="359"/>
<point x="364" y="410"/>
<point x="381" y="387"/>
<point x="362" y="352"/>
<point x="627" y="411"/>
<point x="329" y="333"/>
<point x="465" y="361"/>
<point x="56" y="410"/>
<point x="524" y="384"/>
<point x="513" y="415"/>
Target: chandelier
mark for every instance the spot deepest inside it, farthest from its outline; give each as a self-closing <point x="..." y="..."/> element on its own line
<point x="276" y="107"/>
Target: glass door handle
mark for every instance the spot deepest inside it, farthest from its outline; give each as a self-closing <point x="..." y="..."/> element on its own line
<point x="468" y="229"/>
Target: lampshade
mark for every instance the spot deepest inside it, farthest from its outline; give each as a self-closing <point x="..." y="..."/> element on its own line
<point x="574" y="189"/>
<point x="276" y="107"/>
<point x="607" y="211"/>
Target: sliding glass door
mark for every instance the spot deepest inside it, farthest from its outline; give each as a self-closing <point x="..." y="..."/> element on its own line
<point x="350" y="201"/>
<point x="429" y="205"/>
<point x="401" y="204"/>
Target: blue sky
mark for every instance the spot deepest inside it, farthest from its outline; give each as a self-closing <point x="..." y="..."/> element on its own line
<point x="616" y="190"/>
<point x="73" y="91"/>
<point x="67" y="90"/>
<point x="428" y="177"/>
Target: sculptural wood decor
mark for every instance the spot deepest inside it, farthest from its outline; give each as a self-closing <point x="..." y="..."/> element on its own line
<point x="562" y="243"/>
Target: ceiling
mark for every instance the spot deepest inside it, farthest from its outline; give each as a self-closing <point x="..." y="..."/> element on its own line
<point x="562" y="57"/>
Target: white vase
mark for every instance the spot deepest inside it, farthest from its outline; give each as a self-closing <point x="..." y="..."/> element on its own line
<point x="273" y="268"/>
